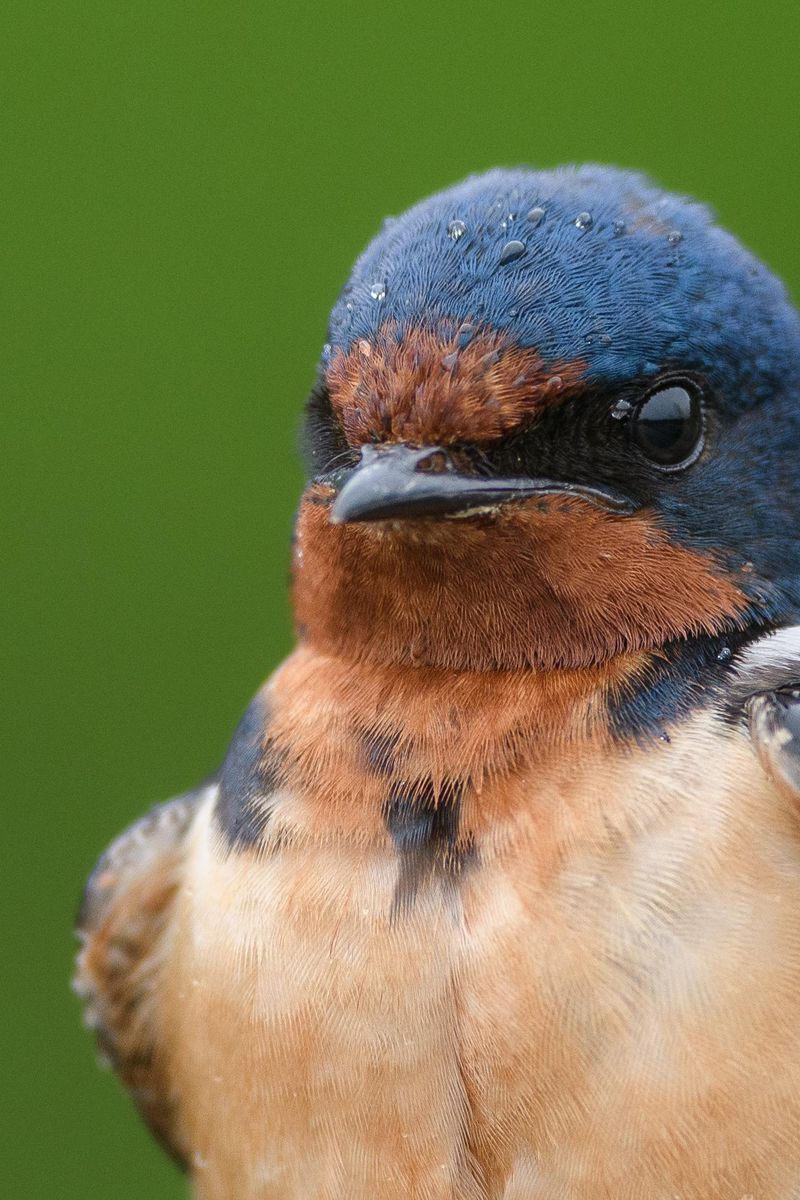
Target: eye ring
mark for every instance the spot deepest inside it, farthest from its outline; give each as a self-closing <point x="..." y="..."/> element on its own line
<point x="667" y="425"/>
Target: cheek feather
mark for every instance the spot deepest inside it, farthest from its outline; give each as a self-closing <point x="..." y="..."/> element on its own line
<point x="431" y="387"/>
<point x="547" y="586"/>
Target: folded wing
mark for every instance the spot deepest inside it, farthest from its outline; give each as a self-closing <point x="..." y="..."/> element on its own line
<point x="125" y="929"/>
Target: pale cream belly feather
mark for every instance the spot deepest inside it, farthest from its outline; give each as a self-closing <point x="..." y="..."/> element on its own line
<point x="605" y="1005"/>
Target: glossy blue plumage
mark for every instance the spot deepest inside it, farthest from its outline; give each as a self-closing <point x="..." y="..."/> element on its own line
<point x="647" y="281"/>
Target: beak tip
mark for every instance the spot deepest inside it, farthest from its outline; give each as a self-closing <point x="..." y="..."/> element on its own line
<point x="342" y="511"/>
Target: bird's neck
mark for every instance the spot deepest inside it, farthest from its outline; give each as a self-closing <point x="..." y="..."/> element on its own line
<point x="451" y="668"/>
<point x="353" y="729"/>
<point x="366" y="744"/>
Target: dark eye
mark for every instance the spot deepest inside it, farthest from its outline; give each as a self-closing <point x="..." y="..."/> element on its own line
<point x="667" y="425"/>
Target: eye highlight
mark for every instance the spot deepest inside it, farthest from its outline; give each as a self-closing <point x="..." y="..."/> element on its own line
<point x="667" y="424"/>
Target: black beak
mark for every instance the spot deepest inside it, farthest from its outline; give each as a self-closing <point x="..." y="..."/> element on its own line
<point x="397" y="482"/>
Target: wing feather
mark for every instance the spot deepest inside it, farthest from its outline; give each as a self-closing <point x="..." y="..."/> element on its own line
<point x="124" y="915"/>
<point x="774" y="719"/>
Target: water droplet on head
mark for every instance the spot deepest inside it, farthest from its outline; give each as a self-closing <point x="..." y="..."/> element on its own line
<point x="584" y="220"/>
<point x="513" y="312"/>
<point x="456" y="229"/>
<point x="674" y="237"/>
<point x="349" y="306"/>
<point x="466" y="333"/>
<point x="724" y="654"/>
<point x="510" y="251"/>
<point x="619" y="228"/>
<point x="377" y="291"/>
<point x="364" y="347"/>
<point x="536" y="216"/>
<point x="621" y="409"/>
<point x="554" y="383"/>
<point x="449" y="361"/>
<point x="326" y="352"/>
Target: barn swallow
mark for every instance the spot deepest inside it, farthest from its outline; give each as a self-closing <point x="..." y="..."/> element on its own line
<point x="496" y="895"/>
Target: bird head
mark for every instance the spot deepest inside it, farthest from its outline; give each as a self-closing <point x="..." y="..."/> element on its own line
<point x="556" y="421"/>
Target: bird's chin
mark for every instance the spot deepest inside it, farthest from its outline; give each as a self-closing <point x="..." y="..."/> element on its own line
<point x="553" y="582"/>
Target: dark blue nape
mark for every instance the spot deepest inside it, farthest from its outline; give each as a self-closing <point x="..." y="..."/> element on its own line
<point x="588" y="263"/>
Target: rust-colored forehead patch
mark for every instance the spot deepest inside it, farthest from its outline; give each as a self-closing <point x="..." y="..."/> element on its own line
<point x="438" y="386"/>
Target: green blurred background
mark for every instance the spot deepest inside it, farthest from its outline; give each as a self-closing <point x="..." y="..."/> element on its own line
<point x="184" y="187"/>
